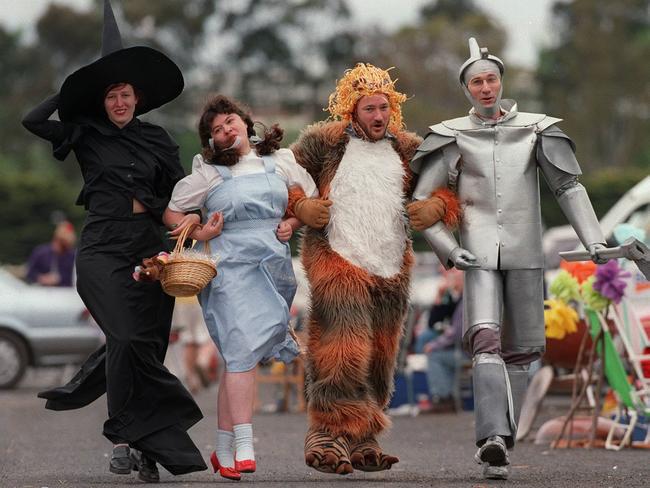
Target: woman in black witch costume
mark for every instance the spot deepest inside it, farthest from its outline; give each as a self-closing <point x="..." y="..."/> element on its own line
<point x="129" y="169"/>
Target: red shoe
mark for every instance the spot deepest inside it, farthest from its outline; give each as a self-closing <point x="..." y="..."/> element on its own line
<point x="245" y="466"/>
<point x="229" y="473"/>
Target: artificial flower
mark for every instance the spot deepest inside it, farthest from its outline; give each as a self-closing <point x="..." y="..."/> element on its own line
<point x="592" y="298"/>
<point x="609" y="280"/>
<point x="565" y="287"/>
<point x="560" y="319"/>
<point x="580" y="270"/>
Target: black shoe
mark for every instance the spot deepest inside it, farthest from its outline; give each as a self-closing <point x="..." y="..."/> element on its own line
<point x="145" y="466"/>
<point x="120" y="460"/>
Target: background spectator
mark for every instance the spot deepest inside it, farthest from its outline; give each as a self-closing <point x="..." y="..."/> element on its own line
<point x="51" y="264"/>
<point x="441" y="363"/>
<point x="444" y="304"/>
<point x="439" y="340"/>
<point x="200" y="358"/>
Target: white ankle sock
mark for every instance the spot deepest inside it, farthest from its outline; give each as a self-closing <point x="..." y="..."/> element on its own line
<point x="225" y="448"/>
<point x="244" y="442"/>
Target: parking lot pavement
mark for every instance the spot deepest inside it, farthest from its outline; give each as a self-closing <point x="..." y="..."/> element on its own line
<point x="40" y="448"/>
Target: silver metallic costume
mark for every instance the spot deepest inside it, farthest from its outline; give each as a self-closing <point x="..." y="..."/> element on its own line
<point x="492" y="165"/>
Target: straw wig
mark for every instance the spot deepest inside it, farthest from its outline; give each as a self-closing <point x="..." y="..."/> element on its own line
<point x="366" y="80"/>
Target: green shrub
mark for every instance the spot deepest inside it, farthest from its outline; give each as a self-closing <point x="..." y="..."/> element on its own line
<point x="29" y="202"/>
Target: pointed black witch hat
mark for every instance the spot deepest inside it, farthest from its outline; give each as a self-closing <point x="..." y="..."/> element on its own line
<point x="156" y="76"/>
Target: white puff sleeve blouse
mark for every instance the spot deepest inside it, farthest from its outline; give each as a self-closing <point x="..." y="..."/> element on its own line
<point x="191" y="192"/>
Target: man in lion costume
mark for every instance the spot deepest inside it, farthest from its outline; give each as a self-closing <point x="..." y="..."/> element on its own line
<point x="358" y="266"/>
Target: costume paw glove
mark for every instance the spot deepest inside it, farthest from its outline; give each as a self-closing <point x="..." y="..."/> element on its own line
<point x="424" y="213"/>
<point x="313" y="212"/>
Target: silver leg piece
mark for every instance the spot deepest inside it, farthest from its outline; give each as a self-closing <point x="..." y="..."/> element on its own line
<point x="493" y="403"/>
<point x="518" y="376"/>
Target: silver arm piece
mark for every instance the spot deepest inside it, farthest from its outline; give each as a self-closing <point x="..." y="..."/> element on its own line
<point x="577" y="208"/>
<point x="631" y="249"/>
<point x="556" y="159"/>
<point x="442" y="242"/>
<point x="435" y="174"/>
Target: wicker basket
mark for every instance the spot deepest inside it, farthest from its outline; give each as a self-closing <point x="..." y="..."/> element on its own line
<point x="186" y="276"/>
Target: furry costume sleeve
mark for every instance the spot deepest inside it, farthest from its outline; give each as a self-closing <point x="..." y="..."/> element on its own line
<point x="319" y="147"/>
<point x="406" y="143"/>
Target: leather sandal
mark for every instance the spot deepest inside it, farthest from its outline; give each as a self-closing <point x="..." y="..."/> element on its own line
<point x="229" y="473"/>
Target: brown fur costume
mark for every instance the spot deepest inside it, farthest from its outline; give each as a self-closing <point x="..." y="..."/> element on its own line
<point x="356" y="317"/>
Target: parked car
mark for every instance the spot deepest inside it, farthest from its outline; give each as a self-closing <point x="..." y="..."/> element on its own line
<point x="41" y="326"/>
<point x="556" y="240"/>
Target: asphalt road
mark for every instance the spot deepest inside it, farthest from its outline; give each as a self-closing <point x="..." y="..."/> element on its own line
<point x="40" y="448"/>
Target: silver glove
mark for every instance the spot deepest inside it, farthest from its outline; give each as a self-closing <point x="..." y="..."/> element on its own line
<point x="593" y="252"/>
<point x="463" y="259"/>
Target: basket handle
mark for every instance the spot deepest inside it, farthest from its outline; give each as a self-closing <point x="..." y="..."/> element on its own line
<point x="185" y="233"/>
<point x="183" y="237"/>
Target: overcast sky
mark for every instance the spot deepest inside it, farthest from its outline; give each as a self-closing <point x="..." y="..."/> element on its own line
<point x="525" y="21"/>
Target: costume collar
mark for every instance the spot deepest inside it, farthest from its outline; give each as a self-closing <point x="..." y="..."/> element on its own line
<point x="508" y="107"/>
<point x="105" y="127"/>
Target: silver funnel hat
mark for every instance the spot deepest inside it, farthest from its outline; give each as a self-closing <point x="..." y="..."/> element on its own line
<point x="479" y="61"/>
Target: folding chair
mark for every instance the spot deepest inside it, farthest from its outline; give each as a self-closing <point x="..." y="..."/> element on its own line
<point x="631" y="400"/>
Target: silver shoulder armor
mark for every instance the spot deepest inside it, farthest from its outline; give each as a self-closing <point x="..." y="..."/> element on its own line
<point x="526" y="119"/>
<point x="452" y="126"/>
<point x="547" y="122"/>
<point x="521" y="119"/>
<point x="435" y="140"/>
<point x="442" y="129"/>
<point x="558" y="149"/>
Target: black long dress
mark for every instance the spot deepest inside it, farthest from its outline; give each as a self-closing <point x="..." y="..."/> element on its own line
<point x="148" y="407"/>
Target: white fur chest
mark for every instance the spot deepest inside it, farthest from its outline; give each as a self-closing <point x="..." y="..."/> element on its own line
<point x="367" y="221"/>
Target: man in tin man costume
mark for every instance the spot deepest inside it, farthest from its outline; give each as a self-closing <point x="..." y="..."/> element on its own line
<point x="490" y="160"/>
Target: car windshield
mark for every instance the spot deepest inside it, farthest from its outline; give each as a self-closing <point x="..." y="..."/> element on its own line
<point x="637" y="225"/>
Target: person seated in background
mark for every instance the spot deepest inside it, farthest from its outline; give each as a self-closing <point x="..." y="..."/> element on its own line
<point x="200" y="364"/>
<point x="441" y="362"/>
<point x="444" y="304"/>
<point x="438" y="341"/>
<point x="51" y="264"/>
